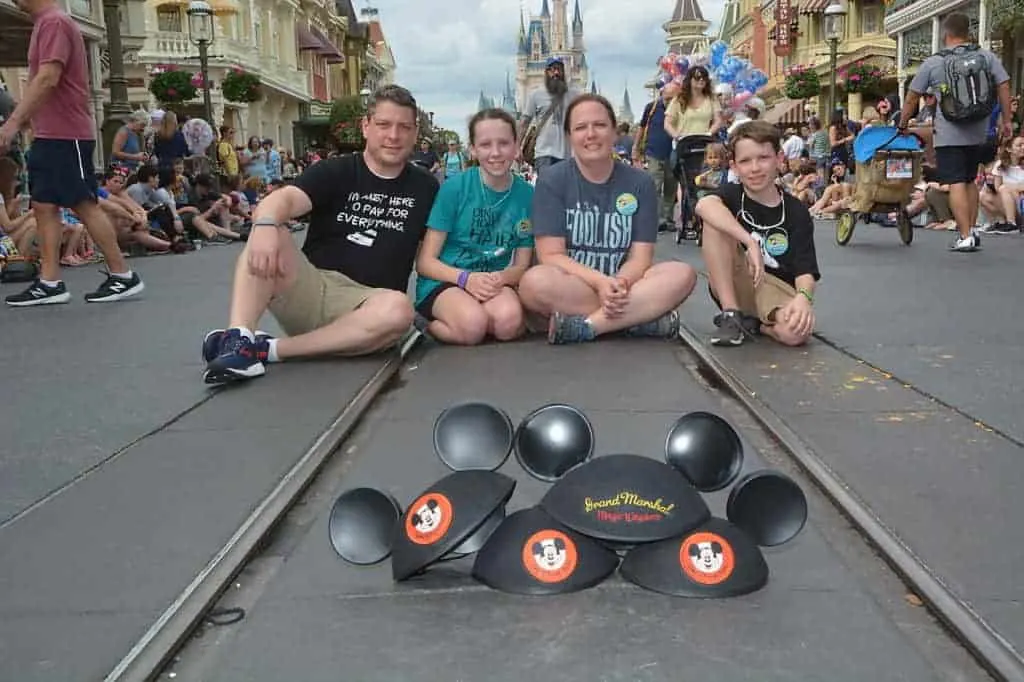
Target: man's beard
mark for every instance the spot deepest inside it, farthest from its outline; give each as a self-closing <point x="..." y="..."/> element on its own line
<point x="555" y="85"/>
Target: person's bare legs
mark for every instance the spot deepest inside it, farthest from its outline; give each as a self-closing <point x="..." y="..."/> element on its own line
<point x="546" y="290"/>
<point x="1008" y="198"/>
<point x="960" y="205"/>
<point x="103" y="235"/>
<point x="461" y="319"/>
<point x="50" y="231"/>
<point x="718" y="251"/>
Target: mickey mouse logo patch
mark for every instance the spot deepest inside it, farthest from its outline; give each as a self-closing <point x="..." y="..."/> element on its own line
<point x="776" y="242"/>
<point x="549" y="556"/>
<point x="524" y="226"/>
<point x="706" y="558"/>
<point x="428" y="519"/>
<point x="626" y="204"/>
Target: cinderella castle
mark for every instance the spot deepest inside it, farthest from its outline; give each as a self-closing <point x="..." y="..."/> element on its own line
<point x="548" y="35"/>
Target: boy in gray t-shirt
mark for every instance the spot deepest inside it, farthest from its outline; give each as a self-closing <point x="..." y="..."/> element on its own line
<point x="595" y="224"/>
<point x="960" y="146"/>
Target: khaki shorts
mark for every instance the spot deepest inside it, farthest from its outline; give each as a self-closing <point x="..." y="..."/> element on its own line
<point x="763" y="301"/>
<point x="316" y="298"/>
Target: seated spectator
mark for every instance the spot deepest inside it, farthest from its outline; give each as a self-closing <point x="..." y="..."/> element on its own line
<point x="129" y="218"/>
<point x="344" y="293"/>
<point x="479" y="242"/>
<point x="207" y="212"/>
<point x="836" y="194"/>
<point x="806" y="183"/>
<point x="596" y="223"/>
<point x="1008" y="185"/>
<point x="17" y="219"/>
<point x="759" y="247"/>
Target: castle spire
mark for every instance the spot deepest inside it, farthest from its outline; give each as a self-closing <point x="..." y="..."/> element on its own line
<point x="577" y="19"/>
<point x="544" y="11"/>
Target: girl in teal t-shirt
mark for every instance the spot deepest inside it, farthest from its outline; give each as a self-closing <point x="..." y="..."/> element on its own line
<point x="478" y="243"/>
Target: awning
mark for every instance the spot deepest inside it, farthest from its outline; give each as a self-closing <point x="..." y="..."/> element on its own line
<point x="168" y="3"/>
<point x="306" y="39"/>
<point x="331" y="54"/>
<point x="224" y="7"/>
<point x="814" y="6"/>
<point x="786" y="111"/>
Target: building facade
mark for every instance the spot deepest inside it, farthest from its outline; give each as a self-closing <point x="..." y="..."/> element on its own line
<point x="685" y="34"/>
<point x="548" y="35"/>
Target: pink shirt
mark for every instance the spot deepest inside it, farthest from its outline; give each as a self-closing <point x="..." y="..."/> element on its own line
<point x="66" y="114"/>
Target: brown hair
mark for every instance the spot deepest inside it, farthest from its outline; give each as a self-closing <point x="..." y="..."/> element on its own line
<point x="686" y="89"/>
<point x="589" y="97"/>
<point x="8" y="177"/>
<point x="395" y="94"/>
<point x="491" y="114"/>
<point x="957" y="25"/>
<point x="760" y="132"/>
<point x="1004" y="152"/>
<point x="168" y="126"/>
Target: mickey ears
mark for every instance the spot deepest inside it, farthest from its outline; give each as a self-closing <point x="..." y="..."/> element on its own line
<point x="362" y="525"/>
<point x="706" y="449"/>
<point x="768" y="506"/>
<point x="553" y="439"/>
<point x="473" y="436"/>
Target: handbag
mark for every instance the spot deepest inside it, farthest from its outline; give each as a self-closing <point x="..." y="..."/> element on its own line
<point x="529" y="147"/>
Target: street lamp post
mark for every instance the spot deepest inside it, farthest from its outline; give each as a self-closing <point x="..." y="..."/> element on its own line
<point x="118" y="109"/>
<point x="364" y="96"/>
<point x="200" y="30"/>
<point x="835" y="14"/>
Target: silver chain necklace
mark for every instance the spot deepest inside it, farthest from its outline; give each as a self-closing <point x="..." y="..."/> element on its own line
<point x="483" y="189"/>
<point x="746" y="217"/>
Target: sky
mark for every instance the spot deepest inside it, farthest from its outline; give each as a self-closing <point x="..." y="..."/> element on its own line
<point x="446" y="51"/>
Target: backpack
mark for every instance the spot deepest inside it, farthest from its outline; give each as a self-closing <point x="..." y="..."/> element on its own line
<point x="969" y="90"/>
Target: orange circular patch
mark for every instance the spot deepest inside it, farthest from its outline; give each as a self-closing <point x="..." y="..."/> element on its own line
<point x="428" y="519"/>
<point x="550" y="556"/>
<point x="706" y="558"/>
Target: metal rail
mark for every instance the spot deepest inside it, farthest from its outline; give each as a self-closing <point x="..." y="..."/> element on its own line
<point x="152" y="651"/>
<point x="992" y="650"/>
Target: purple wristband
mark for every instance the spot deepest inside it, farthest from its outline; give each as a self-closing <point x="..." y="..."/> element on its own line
<point x="463" y="279"/>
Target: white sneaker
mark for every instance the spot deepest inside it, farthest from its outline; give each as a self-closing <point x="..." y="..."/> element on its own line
<point x="965" y="244"/>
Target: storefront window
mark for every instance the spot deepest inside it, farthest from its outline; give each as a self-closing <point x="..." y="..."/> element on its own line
<point x="82" y="8"/>
<point x="870" y="18"/>
<point x="169" y="19"/>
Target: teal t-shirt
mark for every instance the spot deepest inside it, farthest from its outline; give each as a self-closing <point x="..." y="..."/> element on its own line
<point x="484" y="227"/>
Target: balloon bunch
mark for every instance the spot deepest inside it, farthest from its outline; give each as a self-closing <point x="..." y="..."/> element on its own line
<point x="732" y="75"/>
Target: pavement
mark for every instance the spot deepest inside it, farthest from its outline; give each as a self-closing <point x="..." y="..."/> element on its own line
<point x="121" y="473"/>
<point x="310" y="615"/>
<point x="910" y="394"/>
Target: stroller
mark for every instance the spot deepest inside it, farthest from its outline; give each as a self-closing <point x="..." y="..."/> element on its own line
<point x="888" y="167"/>
<point x="688" y="165"/>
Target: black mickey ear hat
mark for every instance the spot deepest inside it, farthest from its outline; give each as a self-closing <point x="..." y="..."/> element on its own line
<point x="712" y="561"/>
<point x="768" y="506"/>
<point x="362" y="525"/>
<point x="531" y="553"/>
<point x="626" y="499"/>
<point x="705" y="449"/>
<point x="553" y="439"/>
<point x="473" y="435"/>
<point x="445" y="515"/>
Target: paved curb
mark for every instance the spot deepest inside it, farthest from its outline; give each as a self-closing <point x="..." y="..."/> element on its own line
<point x="152" y="651"/>
<point x="991" y="649"/>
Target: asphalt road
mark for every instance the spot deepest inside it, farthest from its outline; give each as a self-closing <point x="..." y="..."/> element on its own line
<point x="949" y="324"/>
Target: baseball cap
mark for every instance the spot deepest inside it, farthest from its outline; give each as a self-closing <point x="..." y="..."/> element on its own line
<point x="554" y="60"/>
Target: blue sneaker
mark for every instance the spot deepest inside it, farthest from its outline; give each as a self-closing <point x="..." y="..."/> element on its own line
<point x="665" y="327"/>
<point x="237" y="360"/>
<point x="213" y="339"/>
<point x="564" y="329"/>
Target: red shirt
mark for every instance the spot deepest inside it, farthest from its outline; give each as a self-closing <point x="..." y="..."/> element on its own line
<point x="66" y="114"/>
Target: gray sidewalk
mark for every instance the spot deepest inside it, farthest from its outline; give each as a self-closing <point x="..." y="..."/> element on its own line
<point x="936" y="324"/>
<point x="310" y="616"/>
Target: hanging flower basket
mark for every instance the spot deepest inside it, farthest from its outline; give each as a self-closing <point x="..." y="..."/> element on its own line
<point x="170" y="85"/>
<point x="801" y="82"/>
<point x="240" y="86"/>
<point x="861" y="77"/>
<point x="346" y="120"/>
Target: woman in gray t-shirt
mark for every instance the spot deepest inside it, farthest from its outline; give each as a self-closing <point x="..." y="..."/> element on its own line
<point x="596" y="223"/>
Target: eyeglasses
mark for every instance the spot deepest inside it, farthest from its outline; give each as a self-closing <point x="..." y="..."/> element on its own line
<point x="698" y="77"/>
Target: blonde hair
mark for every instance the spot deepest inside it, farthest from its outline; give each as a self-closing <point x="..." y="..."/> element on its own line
<point x="168" y="126"/>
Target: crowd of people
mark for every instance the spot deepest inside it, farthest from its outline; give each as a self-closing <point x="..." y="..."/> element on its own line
<point x="570" y="254"/>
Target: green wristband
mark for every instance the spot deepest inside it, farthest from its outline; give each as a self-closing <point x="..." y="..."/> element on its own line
<point x="807" y="294"/>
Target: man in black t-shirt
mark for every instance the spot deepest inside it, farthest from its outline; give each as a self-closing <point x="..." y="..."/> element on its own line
<point x="758" y="246"/>
<point x="345" y="291"/>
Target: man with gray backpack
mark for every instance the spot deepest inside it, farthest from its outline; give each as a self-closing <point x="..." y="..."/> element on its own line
<point x="968" y="81"/>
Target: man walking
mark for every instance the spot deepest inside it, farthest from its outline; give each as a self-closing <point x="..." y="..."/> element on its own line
<point x="969" y="81"/>
<point x="654" y="144"/>
<point x="60" y="163"/>
<point x="546" y="108"/>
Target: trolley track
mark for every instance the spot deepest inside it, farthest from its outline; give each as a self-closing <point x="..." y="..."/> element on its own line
<point x="170" y="632"/>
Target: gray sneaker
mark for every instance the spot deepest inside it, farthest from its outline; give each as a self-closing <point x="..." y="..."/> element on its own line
<point x="665" y="327"/>
<point x="731" y="329"/>
<point x="564" y="329"/>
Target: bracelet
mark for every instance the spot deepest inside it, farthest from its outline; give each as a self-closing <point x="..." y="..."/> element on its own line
<point x="267" y="222"/>
<point x="808" y="295"/>
<point x="463" y="279"/>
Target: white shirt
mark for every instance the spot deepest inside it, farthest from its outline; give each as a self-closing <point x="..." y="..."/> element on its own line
<point x="793" y="147"/>
<point x="1011" y="174"/>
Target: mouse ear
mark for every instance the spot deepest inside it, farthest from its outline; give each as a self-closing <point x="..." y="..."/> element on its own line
<point x="473" y="435"/>
<point x="362" y="525"/>
<point x="769" y="506"/>
<point x="706" y="449"/>
<point x="553" y="439"/>
<point x="531" y="553"/>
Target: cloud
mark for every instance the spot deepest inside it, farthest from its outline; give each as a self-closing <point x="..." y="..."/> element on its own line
<point x="447" y="52"/>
